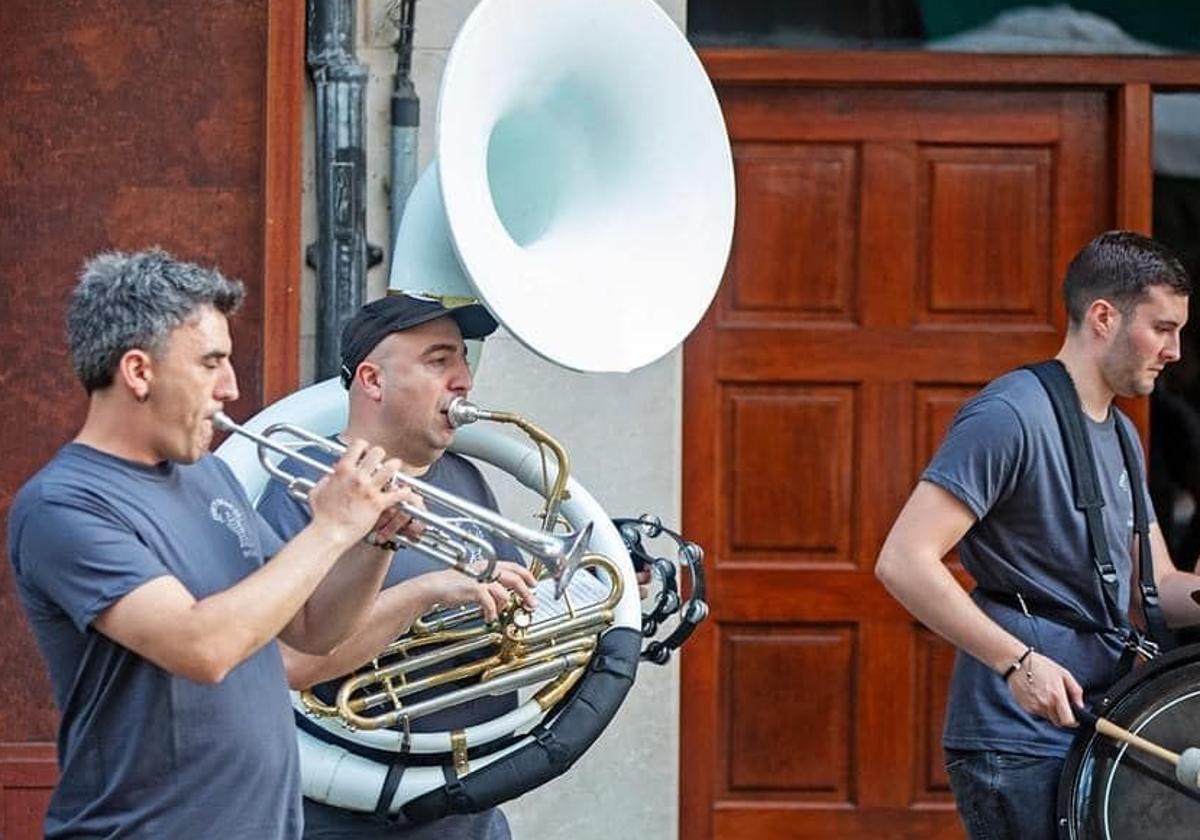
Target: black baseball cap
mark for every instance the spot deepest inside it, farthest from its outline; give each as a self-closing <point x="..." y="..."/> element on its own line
<point x="396" y="312"/>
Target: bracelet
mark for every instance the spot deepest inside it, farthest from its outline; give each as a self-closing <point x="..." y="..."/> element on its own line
<point x="1017" y="663"/>
<point x="392" y="544"/>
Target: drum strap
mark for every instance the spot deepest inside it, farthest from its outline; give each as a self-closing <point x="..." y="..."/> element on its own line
<point x="1089" y="499"/>
<point x="1156" y="622"/>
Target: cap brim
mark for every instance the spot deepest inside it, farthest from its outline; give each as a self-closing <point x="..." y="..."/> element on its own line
<point x="474" y="321"/>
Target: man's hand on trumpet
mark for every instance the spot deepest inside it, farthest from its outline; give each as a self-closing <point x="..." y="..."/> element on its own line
<point x="359" y="497"/>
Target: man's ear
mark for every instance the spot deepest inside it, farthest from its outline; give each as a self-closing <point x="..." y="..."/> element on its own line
<point x="370" y="380"/>
<point x="135" y="370"/>
<point x="1103" y="318"/>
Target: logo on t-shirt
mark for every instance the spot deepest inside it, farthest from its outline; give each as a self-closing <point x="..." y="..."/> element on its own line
<point x="1123" y="483"/>
<point x="473" y="550"/>
<point x="229" y="515"/>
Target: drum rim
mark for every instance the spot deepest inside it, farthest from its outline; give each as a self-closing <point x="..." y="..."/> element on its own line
<point x="1081" y="746"/>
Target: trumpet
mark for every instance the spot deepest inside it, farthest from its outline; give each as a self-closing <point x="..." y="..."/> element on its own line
<point x="443" y="539"/>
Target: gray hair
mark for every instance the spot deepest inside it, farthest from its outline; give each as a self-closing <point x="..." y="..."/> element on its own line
<point x="133" y="301"/>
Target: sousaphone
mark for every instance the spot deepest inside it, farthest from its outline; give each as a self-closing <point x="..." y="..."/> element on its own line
<point x="582" y="188"/>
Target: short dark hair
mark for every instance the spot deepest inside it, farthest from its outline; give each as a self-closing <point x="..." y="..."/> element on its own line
<point x="128" y="301"/>
<point x="1120" y="266"/>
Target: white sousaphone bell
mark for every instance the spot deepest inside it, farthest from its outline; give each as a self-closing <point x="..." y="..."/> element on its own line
<point x="582" y="185"/>
<point x="582" y="188"/>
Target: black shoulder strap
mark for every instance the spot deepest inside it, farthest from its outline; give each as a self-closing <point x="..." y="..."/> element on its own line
<point x="1156" y="623"/>
<point x="1090" y="499"/>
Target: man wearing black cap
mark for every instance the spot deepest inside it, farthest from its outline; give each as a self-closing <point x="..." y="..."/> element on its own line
<point x="403" y="361"/>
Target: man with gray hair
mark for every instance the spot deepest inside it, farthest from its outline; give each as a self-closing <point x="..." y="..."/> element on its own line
<point x="144" y="571"/>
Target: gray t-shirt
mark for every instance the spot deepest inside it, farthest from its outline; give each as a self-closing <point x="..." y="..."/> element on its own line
<point x="143" y="753"/>
<point x="1004" y="458"/>
<point x="456" y="475"/>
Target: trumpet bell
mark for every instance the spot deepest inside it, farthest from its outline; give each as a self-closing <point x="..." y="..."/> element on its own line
<point x="585" y="192"/>
<point x="563" y="568"/>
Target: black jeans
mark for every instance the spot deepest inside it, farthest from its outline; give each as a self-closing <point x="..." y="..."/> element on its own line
<point x="1005" y="796"/>
<point x="323" y="822"/>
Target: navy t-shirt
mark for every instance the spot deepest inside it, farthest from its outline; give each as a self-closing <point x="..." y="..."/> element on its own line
<point x="458" y="476"/>
<point x="143" y="753"/>
<point x="1004" y="458"/>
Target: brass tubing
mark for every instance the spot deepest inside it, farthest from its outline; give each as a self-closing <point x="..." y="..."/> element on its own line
<point x="424" y="660"/>
<point x="554" y="651"/>
<point x="503" y="684"/>
<point x="377" y="698"/>
<point x="585" y="644"/>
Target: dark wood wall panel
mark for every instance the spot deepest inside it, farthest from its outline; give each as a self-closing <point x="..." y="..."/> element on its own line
<point x="796" y="195"/>
<point x="788" y="726"/>
<point x="127" y="125"/>
<point x="124" y="127"/>
<point x="791" y="448"/>
<point x="27" y="775"/>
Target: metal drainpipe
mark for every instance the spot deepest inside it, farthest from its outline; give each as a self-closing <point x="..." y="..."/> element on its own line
<point x="406" y="118"/>
<point x="340" y="254"/>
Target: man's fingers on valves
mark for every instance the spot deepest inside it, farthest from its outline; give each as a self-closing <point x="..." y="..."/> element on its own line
<point x="520" y="581"/>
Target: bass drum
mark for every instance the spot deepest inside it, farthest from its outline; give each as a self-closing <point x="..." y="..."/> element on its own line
<point x="1109" y="790"/>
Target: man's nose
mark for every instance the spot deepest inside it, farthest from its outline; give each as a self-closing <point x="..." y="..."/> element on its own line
<point x="227" y="389"/>
<point x="1173" y="351"/>
<point x="462" y="379"/>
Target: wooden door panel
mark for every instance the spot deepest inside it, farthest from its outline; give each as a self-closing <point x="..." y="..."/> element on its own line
<point x="791" y="447"/>
<point x="866" y="115"/>
<point x="897" y="355"/>
<point x="787" y="729"/>
<point x="933" y="659"/>
<point x="894" y="250"/>
<point x="983" y="235"/>
<point x="806" y="194"/>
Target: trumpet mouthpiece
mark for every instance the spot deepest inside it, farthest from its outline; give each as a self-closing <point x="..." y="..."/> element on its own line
<point x="461" y="411"/>
<point x="221" y="422"/>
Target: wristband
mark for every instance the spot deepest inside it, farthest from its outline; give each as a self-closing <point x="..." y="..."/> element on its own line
<point x="1017" y="663"/>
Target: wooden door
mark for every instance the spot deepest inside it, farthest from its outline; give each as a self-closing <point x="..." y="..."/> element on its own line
<point x="896" y="247"/>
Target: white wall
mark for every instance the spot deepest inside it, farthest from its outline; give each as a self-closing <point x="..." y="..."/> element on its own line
<point x="623" y="433"/>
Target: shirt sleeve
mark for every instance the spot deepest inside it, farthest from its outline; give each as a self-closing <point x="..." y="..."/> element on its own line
<point x="979" y="460"/>
<point x="83" y="558"/>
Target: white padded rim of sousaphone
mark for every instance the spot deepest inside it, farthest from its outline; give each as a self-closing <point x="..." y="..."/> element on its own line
<point x="587" y="177"/>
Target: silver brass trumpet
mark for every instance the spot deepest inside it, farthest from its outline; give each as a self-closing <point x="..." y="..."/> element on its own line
<point x="443" y="539"/>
